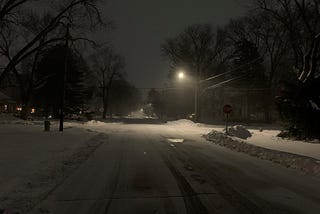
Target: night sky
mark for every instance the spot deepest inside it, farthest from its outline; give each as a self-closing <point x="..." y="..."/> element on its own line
<point x="143" y="25"/>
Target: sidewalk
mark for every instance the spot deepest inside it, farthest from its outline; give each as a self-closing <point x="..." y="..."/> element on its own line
<point x="32" y="161"/>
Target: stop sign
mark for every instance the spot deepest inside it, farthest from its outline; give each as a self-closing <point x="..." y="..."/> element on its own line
<point x="227" y="109"/>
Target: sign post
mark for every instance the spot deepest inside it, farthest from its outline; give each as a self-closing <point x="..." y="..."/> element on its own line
<point x="227" y="109"/>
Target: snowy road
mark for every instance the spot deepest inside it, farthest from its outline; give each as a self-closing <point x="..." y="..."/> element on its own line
<point x="149" y="169"/>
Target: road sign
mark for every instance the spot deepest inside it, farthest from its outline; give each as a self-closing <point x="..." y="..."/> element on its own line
<point x="227" y="109"/>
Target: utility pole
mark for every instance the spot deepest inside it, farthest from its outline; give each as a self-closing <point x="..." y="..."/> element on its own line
<point x="196" y="94"/>
<point x="63" y="79"/>
<point x="196" y="89"/>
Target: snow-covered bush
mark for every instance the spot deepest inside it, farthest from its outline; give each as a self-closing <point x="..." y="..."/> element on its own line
<point x="239" y="131"/>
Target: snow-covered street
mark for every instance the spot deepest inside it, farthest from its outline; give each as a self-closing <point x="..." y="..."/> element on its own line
<point x="144" y="168"/>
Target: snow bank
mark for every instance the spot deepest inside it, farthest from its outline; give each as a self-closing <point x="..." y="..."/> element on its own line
<point x="95" y="123"/>
<point x="307" y="165"/>
<point x="5" y="117"/>
<point x="138" y="114"/>
<point x="33" y="162"/>
<point x="239" y="131"/>
<point x="10" y="119"/>
<point x="182" y="122"/>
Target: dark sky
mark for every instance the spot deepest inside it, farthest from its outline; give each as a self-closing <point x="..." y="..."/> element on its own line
<point x="143" y="25"/>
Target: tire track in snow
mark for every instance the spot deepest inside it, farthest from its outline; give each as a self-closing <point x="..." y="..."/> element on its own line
<point x="192" y="202"/>
<point x="103" y="204"/>
<point x="238" y="201"/>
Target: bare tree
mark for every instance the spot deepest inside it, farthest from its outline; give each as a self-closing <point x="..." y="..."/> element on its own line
<point x="22" y="42"/>
<point x="108" y="65"/>
<point x="301" y="19"/>
<point x="275" y="43"/>
<point x="265" y="33"/>
<point x="8" y="10"/>
<point x="300" y="22"/>
<point x="73" y="12"/>
<point x="195" y="48"/>
<point x="21" y="73"/>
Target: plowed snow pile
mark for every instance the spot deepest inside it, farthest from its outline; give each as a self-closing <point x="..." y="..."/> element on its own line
<point x="182" y="122"/>
<point x="239" y="131"/>
<point x="307" y="165"/>
<point x="95" y="123"/>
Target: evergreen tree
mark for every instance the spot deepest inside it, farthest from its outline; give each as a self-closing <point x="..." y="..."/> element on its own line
<point x="49" y="75"/>
<point x="248" y="62"/>
<point x="124" y="98"/>
<point x="299" y="107"/>
<point x="155" y="99"/>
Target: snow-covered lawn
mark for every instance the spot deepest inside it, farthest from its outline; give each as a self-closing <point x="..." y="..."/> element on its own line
<point x="268" y="139"/>
<point x="32" y="161"/>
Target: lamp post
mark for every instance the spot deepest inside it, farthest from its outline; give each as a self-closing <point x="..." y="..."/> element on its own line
<point x="181" y="75"/>
<point x="197" y="82"/>
<point x="196" y="89"/>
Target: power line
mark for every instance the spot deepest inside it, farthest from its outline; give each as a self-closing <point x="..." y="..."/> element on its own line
<point x="224" y="82"/>
<point x="212" y="77"/>
<point x="233" y="70"/>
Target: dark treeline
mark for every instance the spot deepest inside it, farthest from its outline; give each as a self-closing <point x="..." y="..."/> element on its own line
<point x="46" y="50"/>
<point x="273" y="57"/>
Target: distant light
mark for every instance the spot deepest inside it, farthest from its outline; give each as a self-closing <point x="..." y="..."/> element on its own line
<point x="181" y="75"/>
<point x="19" y="109"/>
<point x="33" y="111"/>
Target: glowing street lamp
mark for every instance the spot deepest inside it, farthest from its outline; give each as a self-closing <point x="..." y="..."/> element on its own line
<point x="181" y="75"/>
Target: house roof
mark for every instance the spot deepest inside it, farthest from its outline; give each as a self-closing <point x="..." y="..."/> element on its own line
<point x="6" y="98"/>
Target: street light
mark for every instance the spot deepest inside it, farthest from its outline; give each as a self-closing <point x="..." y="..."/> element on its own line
<point x="181" y="75"/>
<point x="197" y="82"/>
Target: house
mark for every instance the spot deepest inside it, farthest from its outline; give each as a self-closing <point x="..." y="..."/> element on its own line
<point x="7" y="104"/>
<point x="249" y="105"/>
